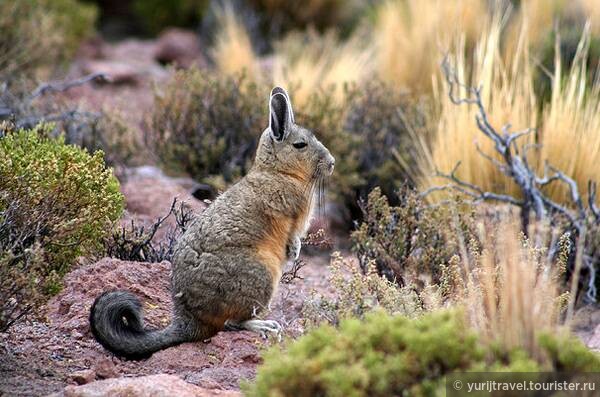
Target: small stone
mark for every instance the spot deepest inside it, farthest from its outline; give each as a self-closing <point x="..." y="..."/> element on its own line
<point x="83" y="377"/>
<point x="106" y="369"/>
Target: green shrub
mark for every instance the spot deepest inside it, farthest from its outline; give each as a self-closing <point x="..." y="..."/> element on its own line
<point x="57" y="202"/>
<point x="156" y="15"/>
<point x="412" y="243"/>
<point x="392" y="355"/>
<point x="39" y="34"/>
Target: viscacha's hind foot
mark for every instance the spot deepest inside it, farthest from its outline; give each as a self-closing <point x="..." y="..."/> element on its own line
<point x="261" y="327"/>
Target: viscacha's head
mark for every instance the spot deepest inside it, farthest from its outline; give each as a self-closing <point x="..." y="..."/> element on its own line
<point x="288" y="148"/>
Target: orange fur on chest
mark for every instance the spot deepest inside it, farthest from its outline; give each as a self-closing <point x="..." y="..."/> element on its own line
<point x="271" y="250"/>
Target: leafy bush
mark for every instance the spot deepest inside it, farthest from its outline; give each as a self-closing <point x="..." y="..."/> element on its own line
<point x="392" y="355"/>
<point x="57" y="202"/>
<point x="41" y="33"/>
<point x="105" y="130"/>
<point x="206" y="125"/>
<point x="410" y="243"/>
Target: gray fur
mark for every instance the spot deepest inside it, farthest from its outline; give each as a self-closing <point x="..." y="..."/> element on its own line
<point x="228" y="263"/>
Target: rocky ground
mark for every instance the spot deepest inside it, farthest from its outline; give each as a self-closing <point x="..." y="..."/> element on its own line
<point x="38" y="358"/>
<point x="57" y="353"/>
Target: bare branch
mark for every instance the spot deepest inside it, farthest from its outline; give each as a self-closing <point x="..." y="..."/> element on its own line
<point x="290" y="275"/>
<point x="496" y="163"/>
<point x="592" y="200"/>
<point x="575" y="197"/>
<point x="470" y="189"/>
<point x="62" y="86"/>
<point x="514" y="164"/>
<point x="512" y="138"/>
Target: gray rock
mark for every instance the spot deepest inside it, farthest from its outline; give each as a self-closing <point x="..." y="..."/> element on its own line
<point x="161" y="385"/>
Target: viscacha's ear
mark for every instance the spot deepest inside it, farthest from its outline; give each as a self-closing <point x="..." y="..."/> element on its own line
<point x="280" y="117"/>
<point x="279" y="90"/>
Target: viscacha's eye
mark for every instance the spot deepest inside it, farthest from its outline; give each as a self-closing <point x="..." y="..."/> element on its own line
<point x="299" y="145"/>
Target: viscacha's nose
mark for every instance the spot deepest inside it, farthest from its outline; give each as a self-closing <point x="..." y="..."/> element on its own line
<point x="330" y="164"/>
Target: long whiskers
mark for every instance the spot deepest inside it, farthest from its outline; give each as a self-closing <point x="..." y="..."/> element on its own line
<point x="319" y="193"/>
<point x="316" y="191"/>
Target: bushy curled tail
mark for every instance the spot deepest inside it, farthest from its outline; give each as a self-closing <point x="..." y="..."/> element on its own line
<point x="117" y="324"/>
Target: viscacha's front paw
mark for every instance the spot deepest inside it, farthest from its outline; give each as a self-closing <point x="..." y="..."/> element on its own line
<point x="293" y="249"/>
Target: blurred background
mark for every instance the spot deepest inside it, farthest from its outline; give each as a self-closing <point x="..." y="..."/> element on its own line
<point x="365" y="75"/>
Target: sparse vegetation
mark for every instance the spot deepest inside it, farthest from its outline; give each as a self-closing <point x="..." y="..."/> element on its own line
<point x="207" y="125"/>
<point x="359" y="292"/>
<point x="470" y="188"/>
<point x="511" y="300"/>
<point x="57" y="202"/>
<point x="137" y="242"/>
<point x="40" y="35"/>
<point x="409" y="244"/>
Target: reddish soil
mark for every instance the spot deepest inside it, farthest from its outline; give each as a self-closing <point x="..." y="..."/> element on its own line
<point x="38" y="358"/>
<point x="42" y="357"/>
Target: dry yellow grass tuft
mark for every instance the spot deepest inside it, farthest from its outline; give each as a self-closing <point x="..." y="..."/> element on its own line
<point x="591" y="11"/>
<point x="313" y="62"/>
<point x="232" y="51"/>
<point x="510" y="291"/>
<point x="306" y="62"/>
<point x="410" y="36"/>
<point x="508" y="96"/>
<point x="570" y="128"/>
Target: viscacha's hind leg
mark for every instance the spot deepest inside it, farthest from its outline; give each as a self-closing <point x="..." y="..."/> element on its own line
<point x="262" y="327"/>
